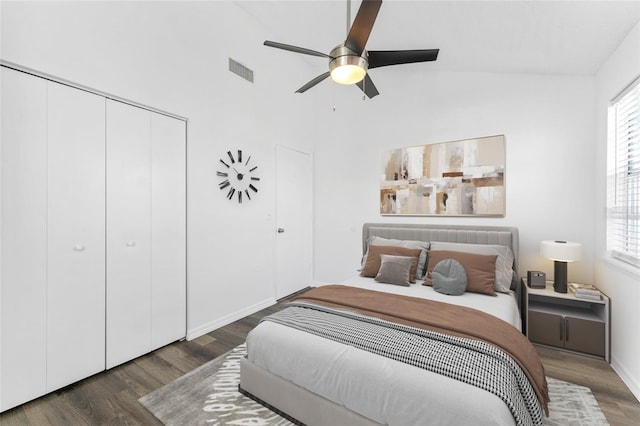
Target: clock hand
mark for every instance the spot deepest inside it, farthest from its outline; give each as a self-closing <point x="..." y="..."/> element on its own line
<point x="239" y="175"/>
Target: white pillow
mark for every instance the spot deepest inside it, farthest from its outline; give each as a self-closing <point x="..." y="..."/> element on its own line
<point x="412" y="244"/>
<point x="504" y="262"/>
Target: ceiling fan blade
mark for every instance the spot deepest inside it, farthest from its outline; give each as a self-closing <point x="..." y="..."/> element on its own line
<point x="362" y="25"/>
<point x="313" y="82"/>
<point x="383" y="58"/>
<point x="295" y="49"/>
<point x="367" y="86"/>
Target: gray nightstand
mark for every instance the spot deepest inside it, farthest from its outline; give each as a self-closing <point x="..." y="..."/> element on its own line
<point x="566" y="322"/>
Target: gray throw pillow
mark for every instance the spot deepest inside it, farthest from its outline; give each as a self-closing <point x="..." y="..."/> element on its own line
<point x="449" y="277"/>
<point x="412" y="244"/>
<point x="394" y="270"/>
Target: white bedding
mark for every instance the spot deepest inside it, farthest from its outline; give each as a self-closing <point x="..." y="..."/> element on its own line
<point x="502" y="306"/>
<point x="384" y="390"/>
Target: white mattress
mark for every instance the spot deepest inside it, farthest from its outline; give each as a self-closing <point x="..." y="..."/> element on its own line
<point x="384" y="390"/>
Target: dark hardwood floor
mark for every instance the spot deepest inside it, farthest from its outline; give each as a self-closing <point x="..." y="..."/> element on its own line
<point x="111" y="397"/>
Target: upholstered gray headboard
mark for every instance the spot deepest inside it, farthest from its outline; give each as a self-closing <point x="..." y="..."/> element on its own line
<point x="501" y="235"/>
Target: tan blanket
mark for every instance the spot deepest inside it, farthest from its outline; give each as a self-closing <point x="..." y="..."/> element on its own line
<point x="441" y="317"/>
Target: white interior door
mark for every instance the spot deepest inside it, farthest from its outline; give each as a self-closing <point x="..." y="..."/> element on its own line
<point x="76" y="239"/>
<point x="128" y="233"/>
<point x="23" y="270"/>
<point x="294" y="211"/>
<point x="168" y="230"/>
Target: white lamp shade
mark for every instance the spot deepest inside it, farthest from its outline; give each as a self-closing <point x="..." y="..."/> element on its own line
<point x="562" y="251"/>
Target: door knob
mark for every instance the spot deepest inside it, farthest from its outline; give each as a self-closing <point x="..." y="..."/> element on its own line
<point x="131" y="243"/>
<point x="280" y="230"/>
<point x="78" y="247"/>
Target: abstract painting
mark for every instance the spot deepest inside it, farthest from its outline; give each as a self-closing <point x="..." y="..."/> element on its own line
<point x="459" y="178"/>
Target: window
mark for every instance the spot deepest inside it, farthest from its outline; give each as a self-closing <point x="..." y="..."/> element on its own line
<point x="623" y="190"/>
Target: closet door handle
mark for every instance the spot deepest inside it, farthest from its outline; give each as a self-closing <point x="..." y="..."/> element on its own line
<point x="79" y="247"/>
<point x="131" y="243"/>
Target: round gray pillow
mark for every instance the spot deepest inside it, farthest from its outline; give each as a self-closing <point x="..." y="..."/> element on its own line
<point x="449" y="277"/>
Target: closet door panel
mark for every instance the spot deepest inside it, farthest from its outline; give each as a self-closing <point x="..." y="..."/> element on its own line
<point x="168" y="229"/>
<point x="128" y="233"/>
<point x="76" y="240"/>
<point x="23" y="159"/>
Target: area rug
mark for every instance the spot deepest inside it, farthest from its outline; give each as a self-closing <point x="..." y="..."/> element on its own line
<point x="209" y="395"/>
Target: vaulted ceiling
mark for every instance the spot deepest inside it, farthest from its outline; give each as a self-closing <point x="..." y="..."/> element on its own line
<point x="548" y="37"/>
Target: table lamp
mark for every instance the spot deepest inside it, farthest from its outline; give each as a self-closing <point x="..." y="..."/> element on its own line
<point x="560" y="252"/>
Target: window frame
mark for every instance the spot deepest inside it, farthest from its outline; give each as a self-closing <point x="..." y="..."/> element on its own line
<point x="623" y="176"/>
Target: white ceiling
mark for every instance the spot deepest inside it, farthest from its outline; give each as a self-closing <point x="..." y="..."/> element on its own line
<point x="549" y="37"/>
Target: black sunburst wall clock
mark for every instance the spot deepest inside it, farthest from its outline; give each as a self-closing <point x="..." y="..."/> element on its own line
<point x="237" y="175"/>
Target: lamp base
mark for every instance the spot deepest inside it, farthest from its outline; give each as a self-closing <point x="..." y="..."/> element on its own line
<point x="560" y="276"/>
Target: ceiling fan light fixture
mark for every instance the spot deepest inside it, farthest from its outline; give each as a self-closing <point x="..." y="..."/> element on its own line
<point x="349" y="62"/>
<point x="348" y="74"/>
<point x="347" y="67"/>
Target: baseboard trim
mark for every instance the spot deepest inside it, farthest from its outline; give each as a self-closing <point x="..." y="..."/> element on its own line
<point x="626" y="377"/>
<point x="228" y="319"/>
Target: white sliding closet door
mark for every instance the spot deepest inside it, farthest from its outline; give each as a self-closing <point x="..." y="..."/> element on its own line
<point x="92" y="234"/>
<point x="23" y="269"/>
<point x="76" y="239"/>
<point x="128" y="232"/>
<point x="168" y="230"/>
<point x="146" y="231"/>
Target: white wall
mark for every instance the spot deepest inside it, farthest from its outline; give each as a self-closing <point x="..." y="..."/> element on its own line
<point x="174" y="56"/>
<point x="621" y="282"/>
<point x="548" y="122"/>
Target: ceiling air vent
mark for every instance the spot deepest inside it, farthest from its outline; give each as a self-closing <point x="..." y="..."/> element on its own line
<point x="239" y="69"/>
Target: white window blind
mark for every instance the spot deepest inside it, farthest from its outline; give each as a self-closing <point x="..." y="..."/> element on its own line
<point x="623" y="191"/>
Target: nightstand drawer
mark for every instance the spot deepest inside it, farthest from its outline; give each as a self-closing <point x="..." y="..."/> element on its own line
<point x="584" y="336"/>
<point x="576" y="334"/>
<point x="547" y="329"/>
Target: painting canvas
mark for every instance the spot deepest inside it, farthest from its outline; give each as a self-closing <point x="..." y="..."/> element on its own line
<point x="459" y="178"/>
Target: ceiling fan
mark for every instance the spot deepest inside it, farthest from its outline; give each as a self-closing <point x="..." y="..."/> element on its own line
<point x="349" y="61"/>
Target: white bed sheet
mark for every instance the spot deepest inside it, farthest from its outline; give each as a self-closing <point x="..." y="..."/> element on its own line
<point x="503" y="305"/>
<point x="384" y="390"/>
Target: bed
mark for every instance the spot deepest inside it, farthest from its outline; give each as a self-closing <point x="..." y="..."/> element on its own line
<point x="320" y="376"/>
